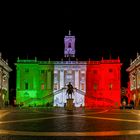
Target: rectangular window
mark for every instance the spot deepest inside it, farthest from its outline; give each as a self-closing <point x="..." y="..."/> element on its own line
<point x="94" y="71"/>
<point x="110" y="70"/>
<point x="26" y="86"/>
<point x="82" y="72"/>
<point x="26" y="70"/>
<point x="42" y="71"/>
<point x="69" y="71"/>
<point x="95" y="86"/>
<point x="83" y="75"/>
<point x="110" y="86"/>
<point x="42" y="86"/>
<point x="55" y="77"/>
<point x="82" y="86"/>
<point x="55" y="86"/>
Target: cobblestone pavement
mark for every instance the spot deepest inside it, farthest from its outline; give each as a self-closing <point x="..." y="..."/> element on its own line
<point x="80" y="124"/>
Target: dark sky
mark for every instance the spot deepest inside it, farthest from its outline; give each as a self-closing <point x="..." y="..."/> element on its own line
<point x="29" y="30"/>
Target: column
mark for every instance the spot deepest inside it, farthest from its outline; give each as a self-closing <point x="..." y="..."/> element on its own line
<point x="138" y="80"/>
<point x="18" y="78"/>
<point x="49" y="80"/>
<point x="8" y="88"/>
<point x="0" y="77"/>
<point x="61" y="79"/>
<point x="131" y="81"/>
<point x="77" y="79"/>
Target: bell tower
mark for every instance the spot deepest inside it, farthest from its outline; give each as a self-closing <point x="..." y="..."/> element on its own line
<point x="69" y="42"/>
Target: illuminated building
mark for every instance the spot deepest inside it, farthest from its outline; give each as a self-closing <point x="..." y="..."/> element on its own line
<point x="4" y="82"/>
<point x="103" y="83"/>
<point x="42" y="82"/>
<point x="69" y="71"/>
<point x="34" y="82"/>
<point x="134" y="77"/>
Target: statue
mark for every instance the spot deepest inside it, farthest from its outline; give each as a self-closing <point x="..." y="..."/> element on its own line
<point x="69" y="104"/>
<point x="70" y="90"/>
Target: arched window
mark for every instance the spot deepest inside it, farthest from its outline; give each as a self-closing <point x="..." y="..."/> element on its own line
<point x="69" y="45"/>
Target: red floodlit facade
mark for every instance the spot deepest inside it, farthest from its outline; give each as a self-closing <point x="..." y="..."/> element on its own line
<point x="103" y="83"/>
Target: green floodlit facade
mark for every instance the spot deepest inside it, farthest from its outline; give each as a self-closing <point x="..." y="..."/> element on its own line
<point x="34" y="82"/>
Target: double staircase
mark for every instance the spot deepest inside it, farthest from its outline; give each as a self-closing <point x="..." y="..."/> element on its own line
<point x="37" y="101"/>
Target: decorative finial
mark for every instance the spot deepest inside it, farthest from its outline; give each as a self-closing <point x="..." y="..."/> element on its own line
<point x="118" y="58"/>
<point x="137" y="54"/>
<point x="110" y="56"/>
<point x="35" y="58"/>
<point x="130" y="61"/>
<point x="0" y="54"/>
<point x="102" y="58"/>
<point x="69" y="32"/>
<point x="6" y="60"/>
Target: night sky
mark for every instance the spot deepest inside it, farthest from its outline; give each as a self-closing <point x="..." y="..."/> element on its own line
<point x="38" y="30"/>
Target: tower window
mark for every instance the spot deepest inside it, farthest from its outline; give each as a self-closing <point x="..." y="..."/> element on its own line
<point x="69" y="46"/>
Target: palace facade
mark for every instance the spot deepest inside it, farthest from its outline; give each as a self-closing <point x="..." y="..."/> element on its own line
<point x="96" y="83"/>
<point x="4" y="82"/>
<point x="134" y="80"/>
